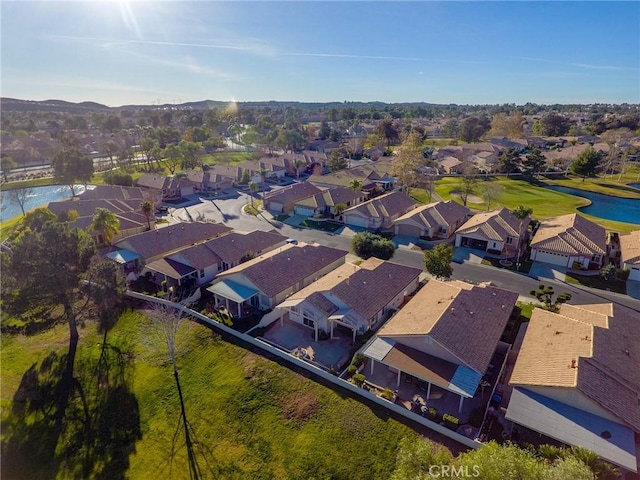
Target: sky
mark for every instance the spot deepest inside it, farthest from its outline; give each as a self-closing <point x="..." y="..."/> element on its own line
<point x="173" y="51"/>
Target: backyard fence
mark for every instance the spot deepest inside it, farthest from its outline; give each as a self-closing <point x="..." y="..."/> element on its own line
<point x="314" y="370"/>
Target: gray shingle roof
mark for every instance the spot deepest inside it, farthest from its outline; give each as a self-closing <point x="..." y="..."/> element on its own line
<point x="169" y="239"/>
<point x="276" y="271"/>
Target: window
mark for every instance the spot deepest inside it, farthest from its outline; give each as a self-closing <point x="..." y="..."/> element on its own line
<point x="509" y="240"/>
<point x="201" y="273"/>
<point x="595" y="258"/>
<point x="308" y="322"/>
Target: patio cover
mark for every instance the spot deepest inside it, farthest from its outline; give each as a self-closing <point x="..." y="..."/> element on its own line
<point x="232" y="290"/>
<point x="171" y="268"/>
<point x="458" y="379"/>
<point x="291" y="303"/>
<point x="123" y="256"/>
<point x="573" y="426"/>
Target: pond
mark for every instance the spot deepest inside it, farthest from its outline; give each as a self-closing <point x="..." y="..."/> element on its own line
<point x="605" y="206"/>
<point x="39" y="196"/>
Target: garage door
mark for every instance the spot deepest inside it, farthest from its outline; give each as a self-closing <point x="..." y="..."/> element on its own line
<point x="634" y="273"/>
<point x="356" y="221"/>
<point x="304" y="211"/>
<point x="275" y="207"/>
<point x="546" y="257"/>
<point x="408" y="230"/>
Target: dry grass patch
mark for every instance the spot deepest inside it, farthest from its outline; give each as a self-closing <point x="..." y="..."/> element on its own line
<point x="299" y="407"/>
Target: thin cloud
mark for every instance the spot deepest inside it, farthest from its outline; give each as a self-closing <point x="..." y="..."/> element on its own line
<point x="600" y="67"/>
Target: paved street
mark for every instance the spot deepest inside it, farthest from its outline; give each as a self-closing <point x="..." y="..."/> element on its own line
<point x="229" y="212"/>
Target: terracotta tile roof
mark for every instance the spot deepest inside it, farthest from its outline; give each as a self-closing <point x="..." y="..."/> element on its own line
<point x="592" y="348"/>
<point x="233" y="246"/>
<point x="387" y="205"/>
<point x="434" y="214"/>
<point x="468" y="320"/>
<point x="169" y="239"/>
<point x="285" y="267"/>
<point x="570" y="234"/>
<point x="494" y="225"/>
<point x="630" y="248"/>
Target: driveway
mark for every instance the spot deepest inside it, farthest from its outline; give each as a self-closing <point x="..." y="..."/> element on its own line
<point x="633" y="288"/>
<point x="468" y="255"/>
<point x="541" y="271"/>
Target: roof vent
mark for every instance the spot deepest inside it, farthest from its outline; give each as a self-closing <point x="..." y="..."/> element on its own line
<point x="453" y="310"/>
<point x="573" y="363"/>
<point x="606" y="434"/>
<point x="558" y="332"/>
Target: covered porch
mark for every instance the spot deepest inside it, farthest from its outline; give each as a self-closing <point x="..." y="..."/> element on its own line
<point x="238" y="299"/>
<point x="402" y="361"/>
<point x="128" y="260"/>
<point x="172" y="272"/>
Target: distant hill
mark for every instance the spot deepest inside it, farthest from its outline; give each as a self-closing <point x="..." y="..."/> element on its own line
<point x="17" y="105"/>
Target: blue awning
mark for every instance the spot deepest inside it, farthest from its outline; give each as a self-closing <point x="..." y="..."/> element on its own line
<point x="123" y="256"/>
<point x="465" y="381"/>
<point x="232" y="290"/>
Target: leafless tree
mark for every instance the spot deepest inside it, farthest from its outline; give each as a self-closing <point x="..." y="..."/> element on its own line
<point x="19" y="196"/>
<point x="491" y="192"/>
<point x="166" y="321"/>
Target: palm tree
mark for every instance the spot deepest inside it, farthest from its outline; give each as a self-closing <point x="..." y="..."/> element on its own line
<point x="297" y="163"/>
<point x="106" y="223"/>
<point x="263" y="177"/>
<point x="147" y="210"/>
<point x="355" y="185"/>
<point x="253" y="186"/>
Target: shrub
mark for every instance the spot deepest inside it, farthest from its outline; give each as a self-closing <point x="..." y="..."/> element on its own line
<point x="367" y="244"/>
<point x="387" y="394"/>
<point x="118" y="178"/>
<point x="358" y="379"/>
<point x="359" y="359"/>
<point x="624" y="274"/>
<point x="352" y="370"/>
<point x="450" y="420"/>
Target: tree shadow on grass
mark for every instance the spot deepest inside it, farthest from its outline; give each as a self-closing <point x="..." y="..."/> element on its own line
<point x="101" y="422"/>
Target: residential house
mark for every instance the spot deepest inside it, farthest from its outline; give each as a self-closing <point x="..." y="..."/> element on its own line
<point x="255" y="167"/>
<point x="343" y="178"/>
<point x="630" y="254"/>
<point x="138" y="250"/>
<point x="269" y="279"/>
<point x="380" y="212"/>
<point x="353" y="297"/>
<point x="325" y="202"/>
<point x="284" y="199"/>
<point x="446" y="336"/>
<point x="576" y="379"/>
<point x="450" y="164"/>
<point x="172" y="188"/>
<point x="498" y="231"/>
<point x="130" y="218"/>
<point x="570" y="241"/>
<point x="209" y="182"/>
<point x="203" y="261"/>
<point x="437" y="220"/>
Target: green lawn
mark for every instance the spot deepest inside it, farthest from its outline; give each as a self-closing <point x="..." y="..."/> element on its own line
<point x="250" y="417"/>
<point x="613" y="285"/>
<point x="544" y="202"/>
<point x="321" y="225"/>
<point x="226" y="158"/>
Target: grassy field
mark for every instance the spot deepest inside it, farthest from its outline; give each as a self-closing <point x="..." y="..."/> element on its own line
<point x="226" y="158"/>
<point x="250" y="417"/>
<point x="544" y="202"/>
